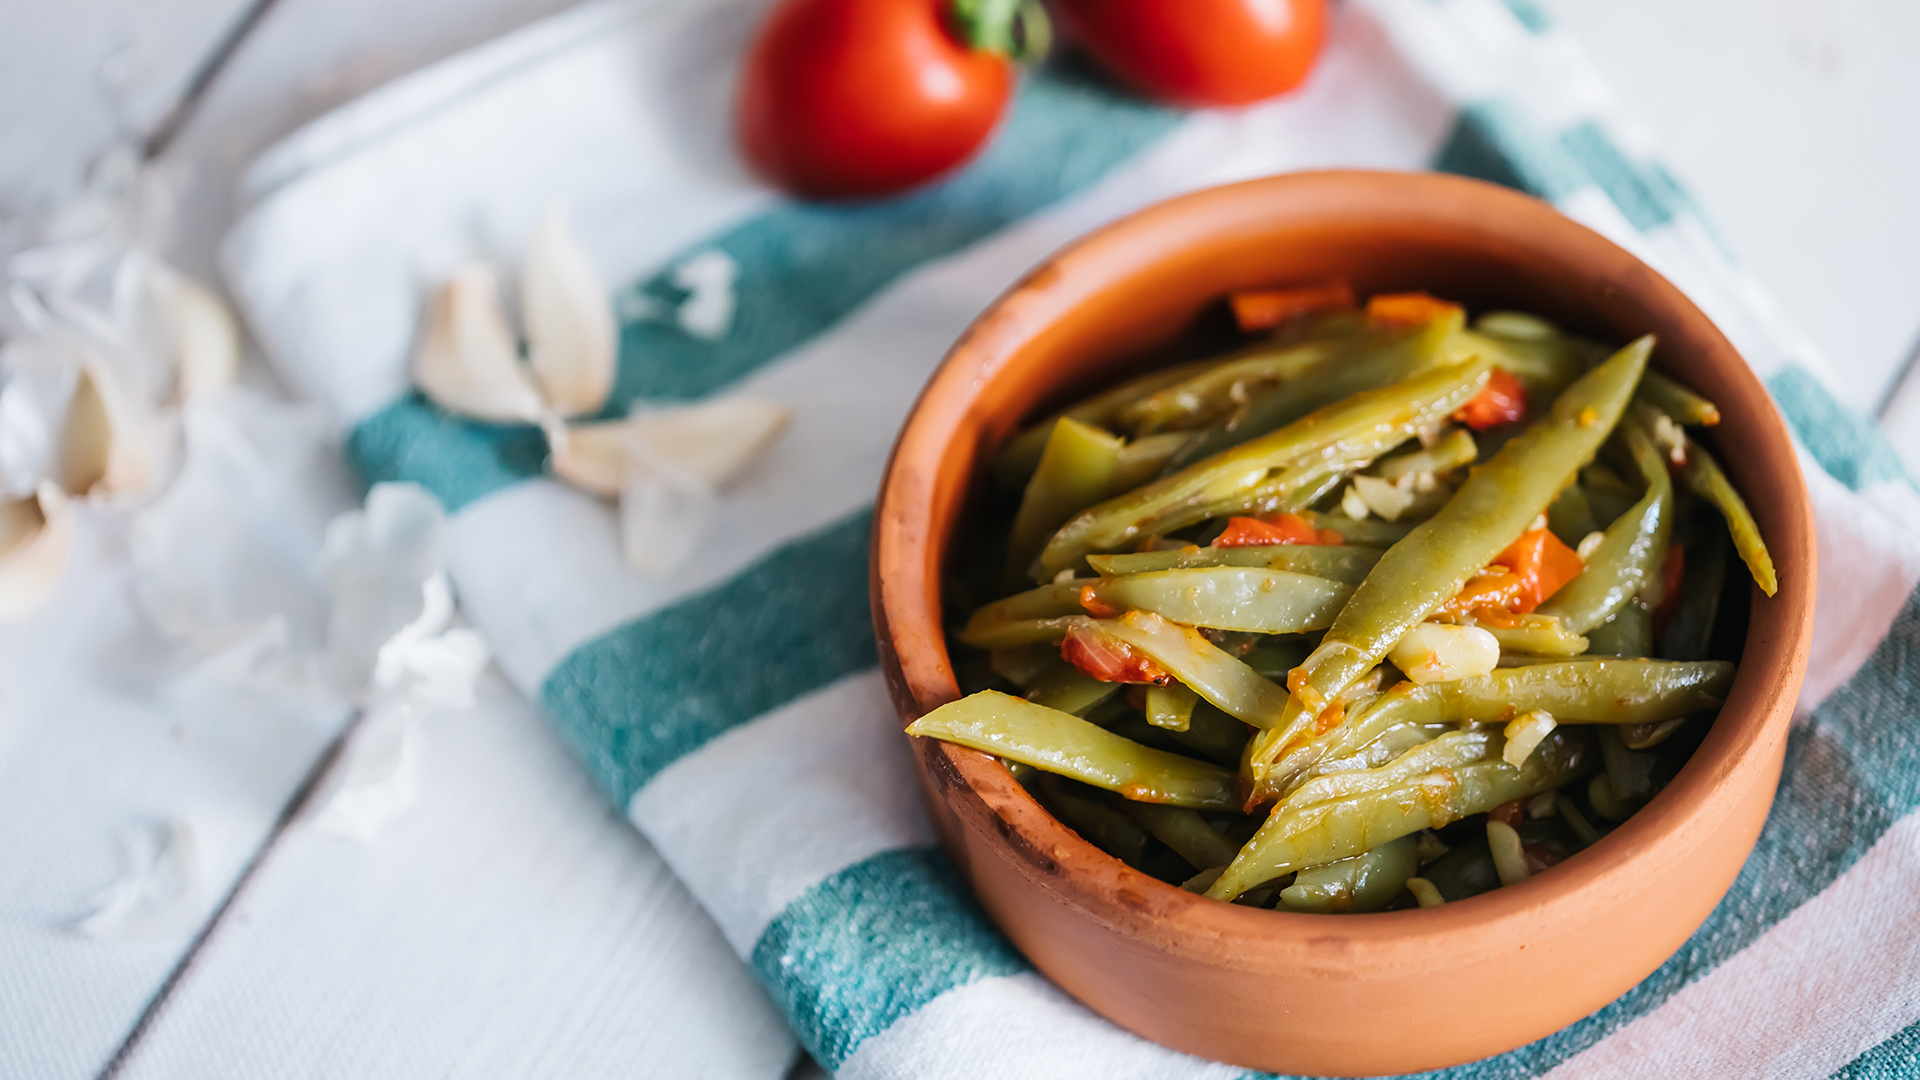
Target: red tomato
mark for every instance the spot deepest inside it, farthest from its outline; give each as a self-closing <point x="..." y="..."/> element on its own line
<point x="1275" y="529"/>
<point x="1201" y="52"/>
<point x="1110" y="659"/>
<point x="1264" y="309"/>
<point x="1543" y="563"/>
<point x="1502" y="401"/>
<point x="852" y="98"/>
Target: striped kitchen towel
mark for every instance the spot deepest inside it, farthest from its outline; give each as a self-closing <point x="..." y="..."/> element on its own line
<point x="735" y="712"/>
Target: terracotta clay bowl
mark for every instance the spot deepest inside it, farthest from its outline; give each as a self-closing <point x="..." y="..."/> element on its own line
<point x="1355" y="995"/>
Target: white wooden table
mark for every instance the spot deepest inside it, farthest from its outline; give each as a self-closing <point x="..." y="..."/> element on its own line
<point x="1791" y="118"/>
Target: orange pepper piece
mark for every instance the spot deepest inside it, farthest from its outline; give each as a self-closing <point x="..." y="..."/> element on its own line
<point x="1502" y="401"/>
<point x="1407" y="310"/>
<point x="1275" y="529"/>
<point x="1264" y="309"/>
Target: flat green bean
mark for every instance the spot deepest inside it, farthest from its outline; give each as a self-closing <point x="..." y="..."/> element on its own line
<point x="1171" y="707"/>
<point x="1213" y="735"/>
<point x="1497" y="503"/>
<point x="1454" y="449"/>
<point x="1628" y="632"/>
<point x="1247" y="598"/>
<point x="1023" y="618"/>
<point x="1186" y="832"/>
<point x="1574" y="691"/>
<point x="1367" y="532"/>
<point x="1541" y="356"/>
<point x="1296" y="836"/>
<point x="1366" y="882"/>
<point x="1703" y="475"/>
<point x="1142" y="459"/>
<point x="1025" y="665"/>
<point x="1076" y="470"/>
<point x="1214" y="674"/>
<point x="1629" y="774"/>
<point x="1538" y="635"/>
<point x="1066" y="745"/>
<point x="1348" y="432"/>
<point x="1570" y="518"/>
<point x="1677" y="401"/>
<point x="1373" y="358"/>
<point x="1691" y="627"/>
<point x="1100" y="824"/>
<point x="1631" y="551"/>
<point x="1337" y="562"/>
<point x="1202" y="397"/>
<point x="1013" y="633"/>
<point x="1018" y="457"/>
<point x="1070" y="690"/>
<point x="1465" y="871"/>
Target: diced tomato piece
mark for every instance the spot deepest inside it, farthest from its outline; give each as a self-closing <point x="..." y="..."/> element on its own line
<point x="1673" y="575"/>
<point x="1264" y="309"/>
<point x="1407" y="310"/>
<point x="1511" y="813"/>
<point x="1275" y="529"/>
<point x="1096" y="607"/>
<point x="1111" y="660"/>
<point x="1542" y="563"/>
<point x="1502" y="401"/>
<point x="1491" y="598"/>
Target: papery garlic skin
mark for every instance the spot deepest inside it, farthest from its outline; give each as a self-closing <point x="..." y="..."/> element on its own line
<point x="465" y="358"/>
<point x="571" y="336"/>
<point x="104" y="448"/>
<point x="36" y="543"/>
<point x="206" y="338"/>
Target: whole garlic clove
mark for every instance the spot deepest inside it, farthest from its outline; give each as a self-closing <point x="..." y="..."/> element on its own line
<point x="206" y="339"/>
<point x="710" y="443"/>
<point x="36" y="541"/>
<point x="465" y="358"/>
<point x="103" y="448"/>
<point x="569" y="319"/>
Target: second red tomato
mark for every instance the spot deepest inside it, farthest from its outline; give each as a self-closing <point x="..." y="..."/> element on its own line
<point x="1200" y="52"/>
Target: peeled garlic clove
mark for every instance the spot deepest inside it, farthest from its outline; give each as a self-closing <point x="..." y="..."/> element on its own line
<point x="1382" y="497"/>
<point x="206" y="340"/>
<point x="569" y="317"/>
<point x="712" y="441"/>
<point x="1442" y="652"/>
<point x="465" y="359"/>
<point x="592" y="457"/>
<point x="103" y="449"/>
<point x="36" y="540"/>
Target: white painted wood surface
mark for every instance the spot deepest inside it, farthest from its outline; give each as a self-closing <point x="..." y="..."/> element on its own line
<point x="488" y="934"/>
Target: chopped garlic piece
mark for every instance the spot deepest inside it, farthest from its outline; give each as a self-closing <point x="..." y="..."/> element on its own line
<point x="1509" y="857"/>
<point x="1442" y="652"/>
<point x="1424" y="892"/>
<point x="1383" y="498"/>
<point x="1589" y="544"/>
<point x="1539" y="522"/>
<point x="1352" y="505"/>
<point x="1524" y="734"/>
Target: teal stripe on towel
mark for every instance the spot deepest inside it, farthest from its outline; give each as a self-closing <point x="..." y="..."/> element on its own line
<point x="1846" y="444"/>
<point x="871" y="945"/>
<point x="1646" y="200"/>
<point x="1896" y="1059"/>
<point x="1496" y="141"/>
<point x="636" y="699"/>
<point x="803" y="267"/>
<point x="1851" y="772"/>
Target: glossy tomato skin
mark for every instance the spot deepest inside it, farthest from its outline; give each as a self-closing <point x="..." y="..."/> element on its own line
<point x="1200" y="52"/>
<point x="858" y="98"/>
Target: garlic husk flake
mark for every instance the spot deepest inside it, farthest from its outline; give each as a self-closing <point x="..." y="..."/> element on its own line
<point x="36" y="542"/>
<point x="571" y="336"/>
<point x="104" y="449"/>
<point x="465" y="358"/>
<point x="205" y="337"/>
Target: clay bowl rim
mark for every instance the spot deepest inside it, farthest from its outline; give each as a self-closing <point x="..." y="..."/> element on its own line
<point x="906" y="600"/>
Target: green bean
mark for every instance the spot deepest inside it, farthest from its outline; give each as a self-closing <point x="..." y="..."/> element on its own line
<point x="1648" y="736"/>
<point x="1013" y="633"/>
<point x="1021" y="454"/>
<point x="1346" y="433"/>
<point x="1204" y="396"/>
<point x="1576" y="820"/>
<point x="1101" y="825"/>
<point x="1495" y="505"/>
<point x="1629" y="774"/>
<point x="1628" y="633"/>
<point x="1076" y="470"/>
<point x="1691" y="627"/>
<point x="1061" y="743"/>
<point x="1296" y="836"/>
<point x="1454" y="449"/>
<point x="1227" y="598"/>
<point x="1541" y="356"/>
<point x="1630" y="555"/>
<point x="1212" y="673"/>
<point x="1186" y="832"/>
<point x="1171" y="707"/>
<point x="1366" y="882"/>
<point x="1025" y="665"/>
<point x="1677" y="401"/>
<point x="1465" y="871"/>
<point x="1538" y="635"/>
<point x="1703" y="475"/>
<point x="1213" y="735"/>
<point x="1337" y="562"/>
<point x="1046" y="602"/>
<point x="1373" y="358"/>
<point x="1571" y="517"/>
<point x="1574" y="691"/>
<point x="1451" y="750"/>
<point x="1370" y="532"/>
<point x="1385" y="747"/>
<point x="1273" y="659"/>
<point x="1071" y="690"/>
<point x="1142" y="459"/>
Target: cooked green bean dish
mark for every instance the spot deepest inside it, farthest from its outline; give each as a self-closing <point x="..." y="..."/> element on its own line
<point x="1375" y="609"/>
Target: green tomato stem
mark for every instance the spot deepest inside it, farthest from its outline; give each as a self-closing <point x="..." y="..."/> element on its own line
<point x="1016" y="29"/>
